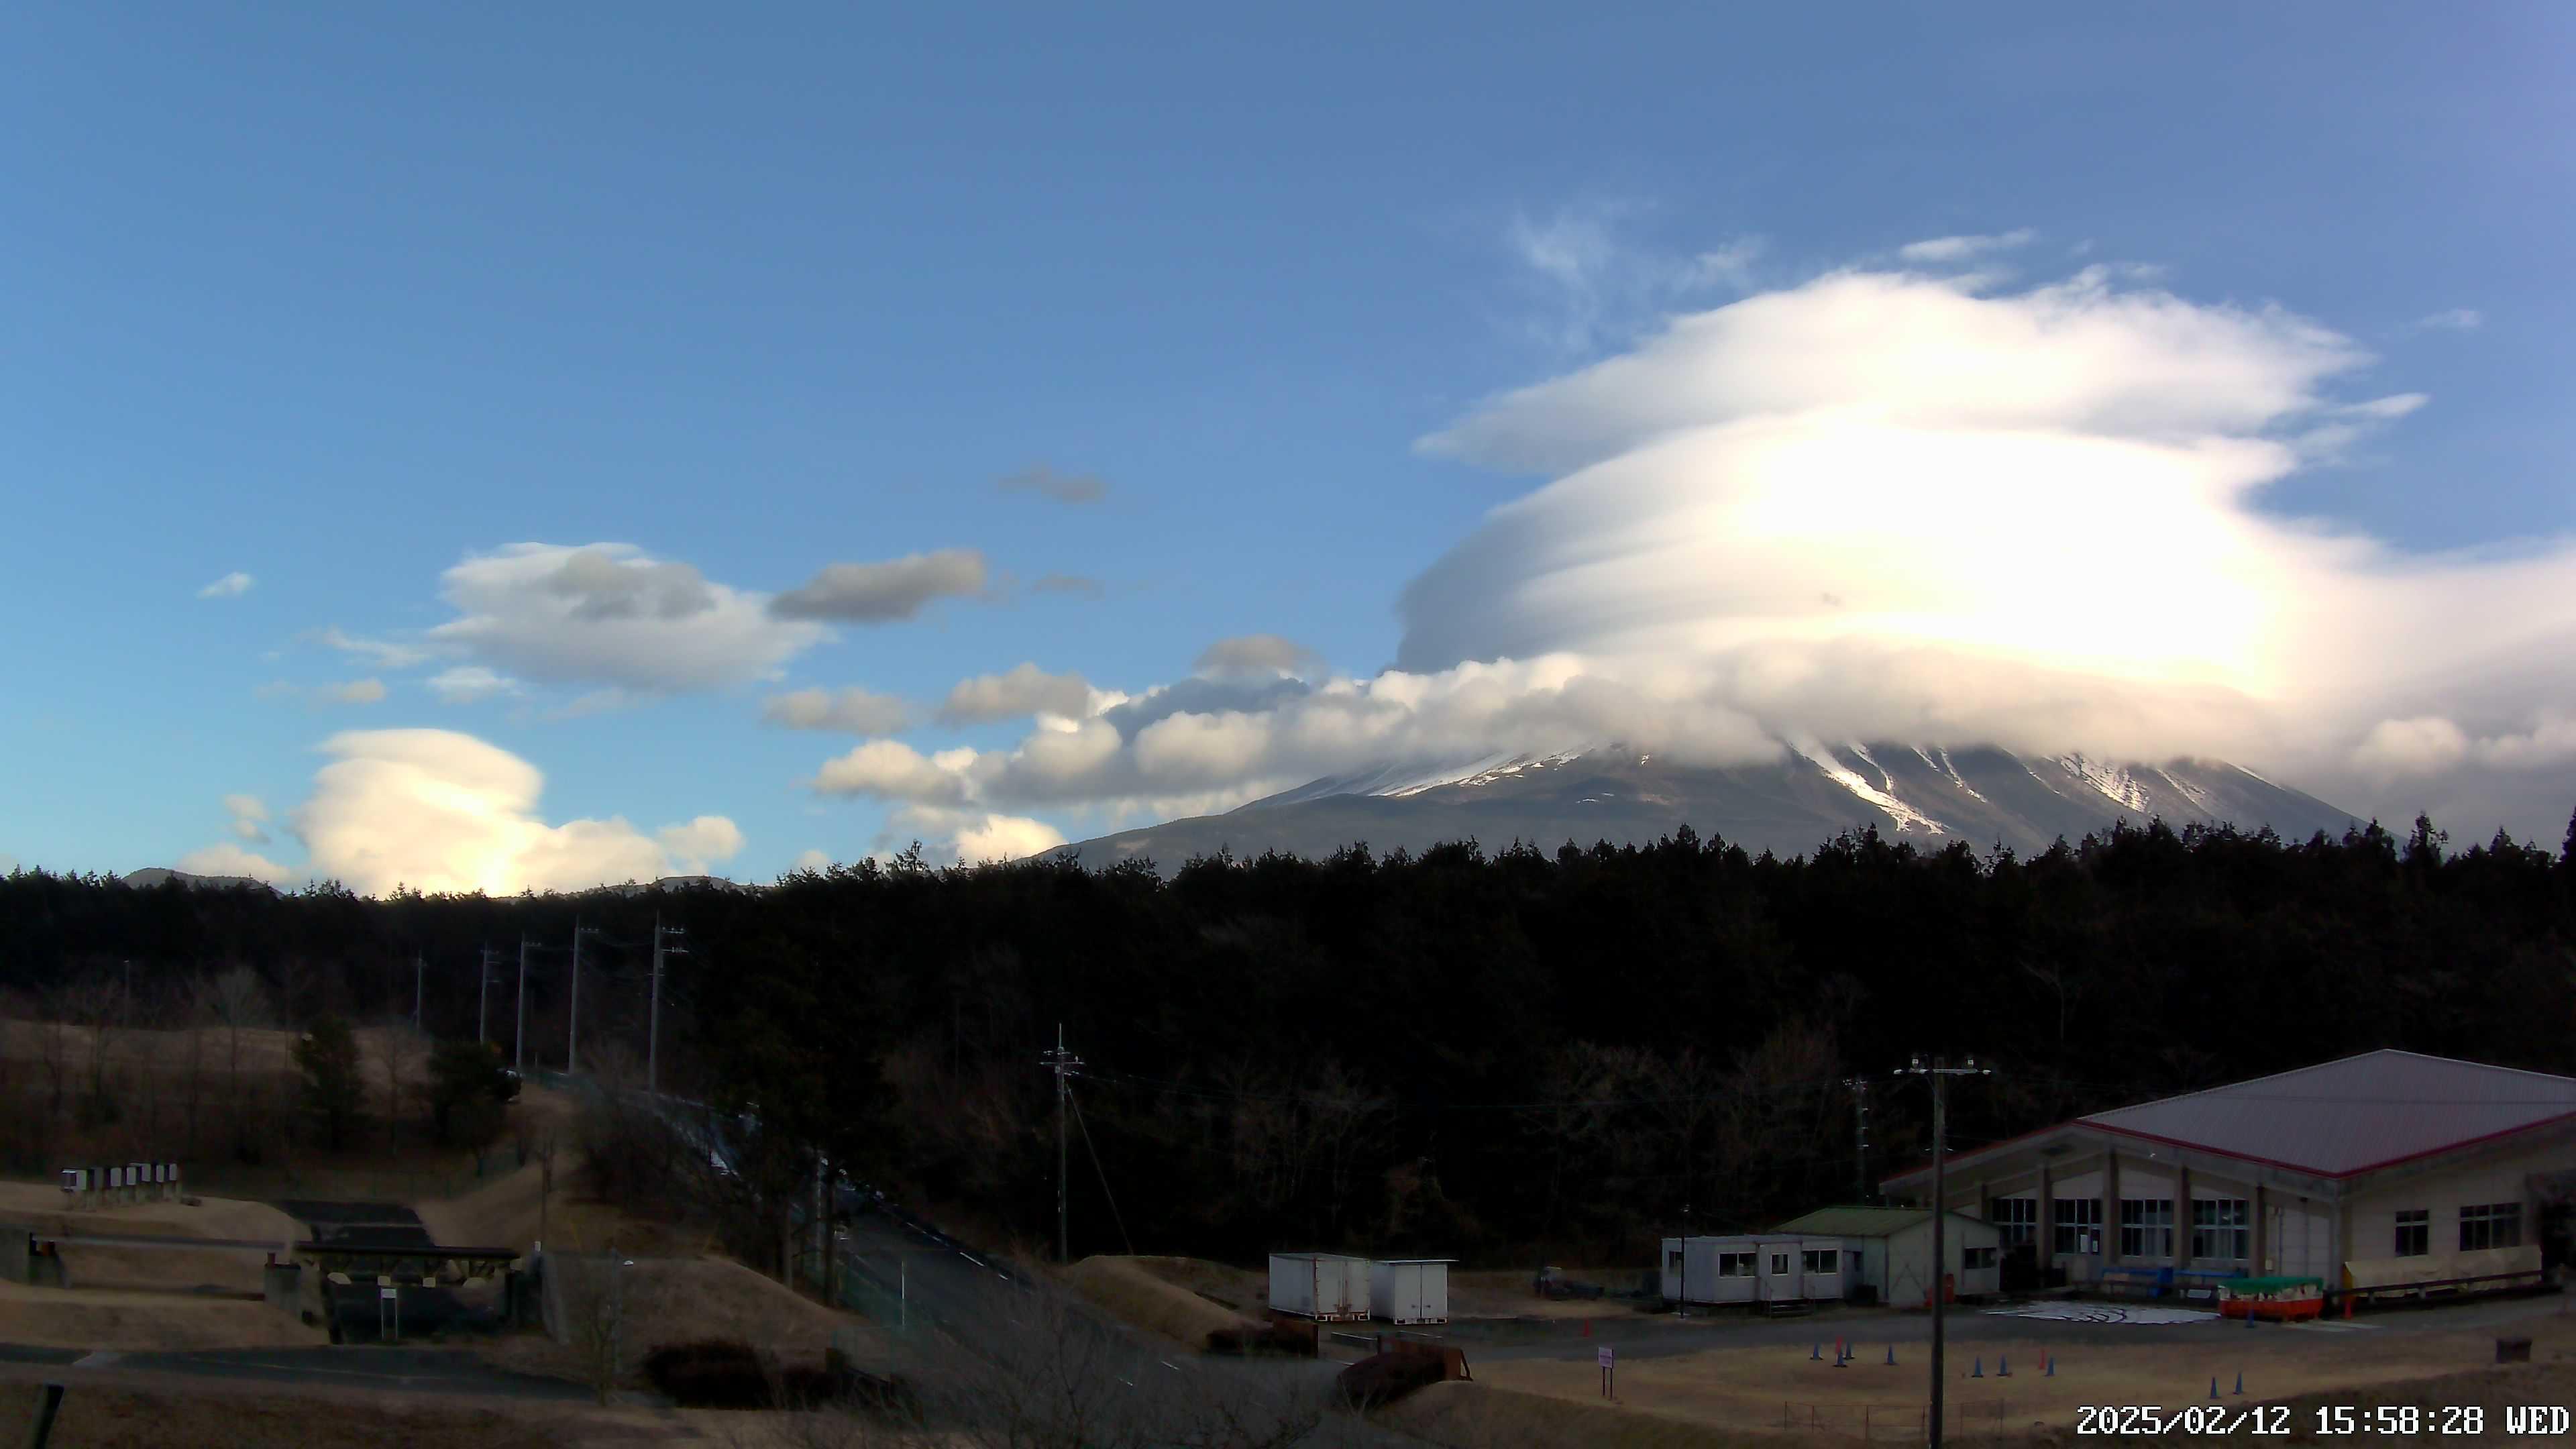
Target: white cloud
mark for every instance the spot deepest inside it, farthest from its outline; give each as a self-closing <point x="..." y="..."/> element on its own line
<point x="227" y="858"/>
<point x="2402" y="748"/>
<point x="691" y="846"/>
<point x="974" y="837"/>
<point x="250" y="817"/>
<point x="610" y="614"/>
<point x="382" y="653"/>
<point x="2457" y="319"/>
<point x="1046" y="482"/>
<point x="1076" y="585"/>
<point x="1024" y="691"/>
<point x="1891" y="507"/>
<point x="439" y="810"/>
<point x="356" y="691"/>
<point x="889" y="770"/>
<point x="1941" y="250"/>
<point x="230" y="586"/>
<point x="1253" y="652"/>
<point x="849" y="711"/>
<point x="814" y="860"/>
<point x="470" y="683"/>
<point x="1601" y="286"/>
<point x="876" y="593"/>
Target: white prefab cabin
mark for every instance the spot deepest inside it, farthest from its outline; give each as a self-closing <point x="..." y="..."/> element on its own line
<point x="1889" y="1251"/>
<point x="1753" y="1268"/>
<point x="1410" y="1290"/>
<point x="1327" y="1287"/>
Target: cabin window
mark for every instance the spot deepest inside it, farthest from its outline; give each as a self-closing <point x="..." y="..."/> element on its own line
<point x="1824" y="1260"/>
<point x="2079" y="1224"/>
<point x="1976" y="1257"/>
<point x="2497" y="1225"/>
<point x="2146" y="1227"/>
<point x="1735" y="1265"/>
<point x="2017" y="1220"/>
<point x="1779" y="1265"/>
<point x="2414" y="1232"/>
<point x="2221" y="1228"/>
<point x="1676" y="1265"/>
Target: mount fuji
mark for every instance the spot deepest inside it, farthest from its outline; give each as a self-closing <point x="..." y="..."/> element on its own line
<point x="1922" y="794"/>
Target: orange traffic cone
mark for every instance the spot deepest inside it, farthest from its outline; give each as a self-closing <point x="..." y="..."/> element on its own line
<point x="1587" y="1328"/>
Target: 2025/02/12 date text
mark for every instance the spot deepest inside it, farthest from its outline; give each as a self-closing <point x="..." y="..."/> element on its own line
<point x="2143" y="1419"/>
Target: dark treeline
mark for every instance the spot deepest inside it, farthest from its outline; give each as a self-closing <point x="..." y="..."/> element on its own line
<point x="1487" y="1056"/>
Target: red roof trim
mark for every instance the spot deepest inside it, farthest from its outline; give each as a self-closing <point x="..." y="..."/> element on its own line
<point x="2348" y="1173"/>
<point x="2560" y="1119"/>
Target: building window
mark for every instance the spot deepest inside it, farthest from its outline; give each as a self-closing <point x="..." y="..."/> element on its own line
<point x="1735" y="1265"/>
<point x="1976" y="1257"/>
<point x="1676" y="1263"/>
<point x="1779" y="1265"/>
<point x="2221" y="1228"/>
<point x="1824" y="1260"/>
<point x="2079" y="1225"/>
<point x="2414" y="1232"/>
<point x="2496" y="1225"/>
<point x="2146" y="1227"/>
<point x="2017" y="1219"/>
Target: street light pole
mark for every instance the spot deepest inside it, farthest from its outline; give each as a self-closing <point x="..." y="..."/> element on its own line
<point x="483" y="999"/>
<point x="419" y="982"/>
<point x="1939" y="1070"/>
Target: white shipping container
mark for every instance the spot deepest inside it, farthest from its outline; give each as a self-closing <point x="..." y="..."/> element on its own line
<point x="1327" y="1287"/>
<point x="1410" y="1290"/>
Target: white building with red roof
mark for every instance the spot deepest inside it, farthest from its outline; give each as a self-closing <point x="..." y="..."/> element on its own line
<point x="2387" y="1168"/>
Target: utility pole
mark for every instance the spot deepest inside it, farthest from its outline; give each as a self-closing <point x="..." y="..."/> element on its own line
<point x="419" y="981"/>
<point x="1684" y="1310"/>
<point x="1064" y="1064"/>
<point x="653" y="1031"/>
<point x="1860" y="1137"/>
<point x="483" y="1000"/>
<point x="519" y="1033"/>
<point x="572" y="1052"/>
<point x="1938" y="1071"/>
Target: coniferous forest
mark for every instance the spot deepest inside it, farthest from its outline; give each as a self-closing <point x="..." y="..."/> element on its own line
<point x="1493" y="1056"/>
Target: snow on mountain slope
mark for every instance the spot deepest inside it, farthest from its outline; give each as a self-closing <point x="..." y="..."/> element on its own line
<point x="1933" y="795"/>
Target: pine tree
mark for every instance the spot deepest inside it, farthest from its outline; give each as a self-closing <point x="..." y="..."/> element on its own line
<point x="328" y="1057"/>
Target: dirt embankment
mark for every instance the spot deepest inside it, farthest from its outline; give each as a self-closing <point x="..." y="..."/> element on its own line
<point x="43" y="1207"/>
<point x="131" y="1298"/>
<point x="1181" y="1299"/>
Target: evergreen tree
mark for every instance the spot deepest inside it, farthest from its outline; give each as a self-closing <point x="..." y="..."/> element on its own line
<point x="328" y="1057"/>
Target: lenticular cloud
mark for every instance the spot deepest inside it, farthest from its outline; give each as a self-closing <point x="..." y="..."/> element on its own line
<point x="1888" y="506"/>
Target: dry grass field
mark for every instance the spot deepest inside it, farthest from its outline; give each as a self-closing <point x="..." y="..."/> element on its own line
<point x="1756" y="1390"/>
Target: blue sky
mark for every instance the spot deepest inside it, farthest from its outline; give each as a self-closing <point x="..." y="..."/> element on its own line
<point x="342" y="302"/>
